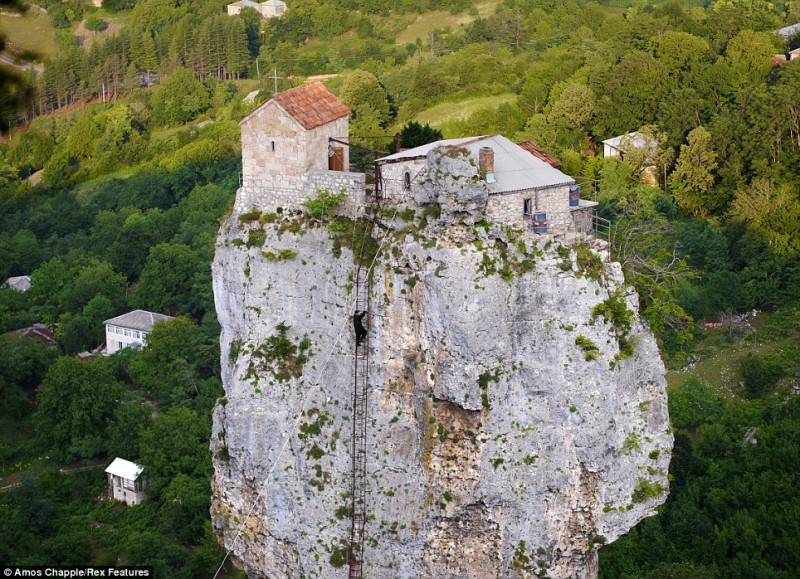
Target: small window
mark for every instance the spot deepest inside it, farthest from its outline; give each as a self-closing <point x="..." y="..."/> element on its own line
<point x="407" y="181"/>
<point x="527" y="207"/>
<point x="272" y="144"/>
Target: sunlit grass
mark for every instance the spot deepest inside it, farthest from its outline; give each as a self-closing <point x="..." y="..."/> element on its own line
<point x="424" y="24"/>
<point x="444" y="113"/>
<point x="30" y="31"/>
<point x="716" y="357"/>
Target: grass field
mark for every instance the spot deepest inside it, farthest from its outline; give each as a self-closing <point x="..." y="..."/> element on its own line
<point x="28" y="32"/>
<point x="715" y="359"/>
<point x="458" y="111"/>
<point x="426" y="23"/>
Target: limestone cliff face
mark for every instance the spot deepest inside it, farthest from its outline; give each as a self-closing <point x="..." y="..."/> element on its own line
<point x="516" y="422"/>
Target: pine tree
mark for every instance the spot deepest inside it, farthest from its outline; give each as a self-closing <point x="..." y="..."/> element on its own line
<point x="693" y="177"/>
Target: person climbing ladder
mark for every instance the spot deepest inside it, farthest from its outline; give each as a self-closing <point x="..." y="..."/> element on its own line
<point x="361" y="331"/>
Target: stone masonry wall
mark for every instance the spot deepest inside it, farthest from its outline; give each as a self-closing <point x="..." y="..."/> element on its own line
<point x="269" y="199"/>
<point x="509" y="208"/>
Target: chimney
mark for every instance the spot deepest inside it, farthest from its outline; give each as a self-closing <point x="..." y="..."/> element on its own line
<point x="486" y="163"/>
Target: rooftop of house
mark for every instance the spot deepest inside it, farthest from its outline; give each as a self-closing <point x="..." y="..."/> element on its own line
<point x="515" y="168"/>
<point x="310" y="104"/>
<point x="636" y="136"/>
<point x="788" y="31"/>
<point x="125" y="469"/>
<point x="138" y="320"/>
<point x="41" y="332"/>
<point x="540" y="154"/>
<point x="20" y="283"/>
<point x="244" y="4"/>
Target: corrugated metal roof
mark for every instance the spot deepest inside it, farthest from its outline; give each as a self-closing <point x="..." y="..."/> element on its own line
<point x="515" y="169"/>
<point x="637" y="140"/>
<point x="125" y="469"/>
<point x="138" y="320"/>
<point x="20" y="283"/>
<point x="788" y="31"/>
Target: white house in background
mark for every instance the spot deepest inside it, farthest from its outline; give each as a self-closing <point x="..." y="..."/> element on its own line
<point x="614" y="146"/>
<point x="21" y="283"/>
<point x="788" y="31"/>
<point x="125" y="481"/>
<point x="130" y="330"/>
<point x="268" y="9"/>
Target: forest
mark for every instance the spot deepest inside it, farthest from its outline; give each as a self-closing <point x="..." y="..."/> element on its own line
<point x="121" y="158"/>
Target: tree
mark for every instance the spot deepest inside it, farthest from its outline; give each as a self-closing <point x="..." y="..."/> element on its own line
<point x="166" y="278"/>
<point x="361" y="91"/>
<point x="574" y="106"/>
<point x="176" y="443"/>
<point x="413" y="135"/>
<point x="23" y="364"/>
<point x="772" y="211"/>
<point x="75" y="404"/>
<point x="679" y="51"/>
<point x="693" y="177"/>
<point x="179" y="98"/>
<point x="165" y="368"/>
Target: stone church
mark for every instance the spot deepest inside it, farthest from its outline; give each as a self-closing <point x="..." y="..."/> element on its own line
<point x="294" y="145"/>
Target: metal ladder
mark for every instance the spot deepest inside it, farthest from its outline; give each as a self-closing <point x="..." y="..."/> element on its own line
<point x="359" y="438"/>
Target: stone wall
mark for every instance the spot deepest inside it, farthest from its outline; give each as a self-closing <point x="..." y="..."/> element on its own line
<point x="393" y="175"/>
<point x="582" y="219"/>
<point x="269" y="199"/>
<point x="509" y="208"/>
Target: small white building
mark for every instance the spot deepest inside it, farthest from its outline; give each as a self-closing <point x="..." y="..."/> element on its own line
<point x="125" y="481"/>
<point x="615" y="146"/>
<point x="130" y="330"/>
<point x="21" y="283"/>
<point x="268" y="9"/>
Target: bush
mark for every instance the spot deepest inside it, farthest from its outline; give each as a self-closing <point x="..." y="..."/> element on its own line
<point x="758" y="374"/>
<point x="96" y="24"/>
<point x="325" y="202"/>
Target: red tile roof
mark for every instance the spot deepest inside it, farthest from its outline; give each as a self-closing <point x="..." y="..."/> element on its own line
<point x="539" y="154"/>
<point x="310" y="104"/>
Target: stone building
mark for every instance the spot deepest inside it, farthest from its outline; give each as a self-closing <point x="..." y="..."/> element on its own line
<point x="523" y="189"/>
<point x="293" y="145"/>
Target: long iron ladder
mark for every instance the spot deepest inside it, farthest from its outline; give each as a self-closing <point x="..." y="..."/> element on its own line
<point x="359" y="439"/>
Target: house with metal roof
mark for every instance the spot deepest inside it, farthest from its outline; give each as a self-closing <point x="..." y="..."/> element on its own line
<point x="125" y="481"/>
<point x="21" y="283"/>
<point x="523" y="189"/>
<point x="293" y="145"/>
<point x="788" y="31"/>
<point x="615" y="146"/>
<point x="131" y="330"/>
<point x="268" y="9"/>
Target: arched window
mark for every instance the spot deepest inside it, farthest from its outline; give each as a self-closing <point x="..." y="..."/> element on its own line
<point x="407" y="181"/>
<point x="272" y="143"/>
